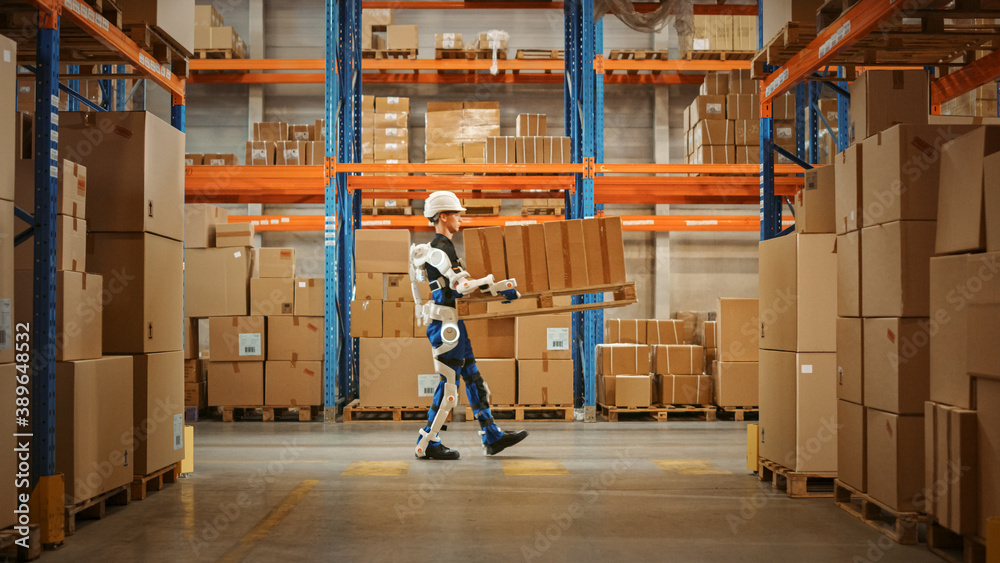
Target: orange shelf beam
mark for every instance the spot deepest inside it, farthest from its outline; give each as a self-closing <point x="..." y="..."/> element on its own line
<point x="966" y="79"/>
<point x="462" y="64"/>
<point x="641" y="7"/>
<point x="425" y="78"/>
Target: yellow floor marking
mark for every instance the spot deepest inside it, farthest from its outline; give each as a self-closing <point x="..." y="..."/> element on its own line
<point x="270" y="522"/>
<point x="227" y="461"/>
<point x="187" y="495"/>
<point x="376" y="469"/>
<point x="534" y="467"/>
<point x="690" y="466"/>
<point x="704" y="472"/>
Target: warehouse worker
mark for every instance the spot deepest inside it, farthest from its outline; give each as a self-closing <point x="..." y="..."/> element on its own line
<point x="450" y="343"/>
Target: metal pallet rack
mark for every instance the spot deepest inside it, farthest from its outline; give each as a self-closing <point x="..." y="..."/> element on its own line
<point x="52" y="15"/>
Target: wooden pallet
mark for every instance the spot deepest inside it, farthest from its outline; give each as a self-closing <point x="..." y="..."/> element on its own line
<point x="481" y="211"/>
<point x="96" y="508"/>
<point x="406" y="210"/>
<point x="142" y="485"/>
<point x="902" y="527"/>
<point x="637" y="55"/>
<point x="544" y="210"/>
<point x="953" y="547"/>
<point x="660" y="413"/>
<point x="527" y="413"/>
<point x="623" y="295"/>
<point x="389" y="54"/>
<point x="215" y="54"/>
<point x="161" y="46"/>
<point x="356" y="413"/>
<point x="10" y="551"/>
<point x="796" y="484"/>
<point x="539" y="54"/>
<point x="693" y="55"/>
<point x="305" y="413"/>
<point x="792" y="38"/>
<point x="739" y="414"/>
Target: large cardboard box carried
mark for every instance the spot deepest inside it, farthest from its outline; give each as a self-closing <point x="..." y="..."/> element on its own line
<point x="366" y="318"/>
<point x="605" y="250"/>
<point x="895" y="449"/>
<point x="883" y="98"/>
<point x="852" y="452"/>
<point x="500" y="374"/>
<point x="491" y="338"/>
<point x="633" y="391"/>
<point x="93" y="413"/>
<point x="293" y="383"/>
<point x="896" y="368"/>
<point x="200" y="220"/>
<point x="157" y="410"/>
<point x="545" y="382"/>
<point x="678" y="359"/>
<point x="815" y="212"/>
<point x="624" y="359"/>
<point x="961" y="213"/>
<point x="737" y="331"/>
<point x="236" y="339"/>
<point x="849" y="273"/>
<point x="309" y="297"/>
<point x="895" y="265"/>
<point x="144" y="275"/>
<point x="396" y="372"/>
<point x="685" y="389"/>
<point x="382" y="250"/>
<point x="543" y="337"/>
<point x="175" y="19"/>
<point x="135" y="170"/>
<point x="849" y="193"/>
<point x="525" y="254"/>
<point x="798" y="293"/>
<point x="232" y="384"/>
<point x="217" y="281"/>
<point x="851" y="359"/>
<point x="276" y="263"/>
<point x="736" y="384"/>
<point x="295" y="338"/>
<point x="484" y="252"/>
<point x="798" y="410"/>
<point x="625" y="331"/>
<point x="566" y="253"/>
<point x="272" y="296"/>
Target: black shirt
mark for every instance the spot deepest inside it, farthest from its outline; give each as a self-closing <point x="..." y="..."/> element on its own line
<point x="447" y="295"/>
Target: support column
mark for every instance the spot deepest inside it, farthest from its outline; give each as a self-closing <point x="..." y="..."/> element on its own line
<point x="661" y="142"/>
<point x="256" y="95"/>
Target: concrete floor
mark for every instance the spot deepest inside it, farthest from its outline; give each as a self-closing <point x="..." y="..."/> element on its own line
<point x="647" y="491"/>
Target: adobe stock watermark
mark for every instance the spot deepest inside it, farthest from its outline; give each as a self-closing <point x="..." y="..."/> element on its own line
<point x="562" y="520"/>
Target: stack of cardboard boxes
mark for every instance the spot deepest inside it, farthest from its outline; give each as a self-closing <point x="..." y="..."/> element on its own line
<point x="457" y="132"/>
<point x="734" y="372"/>
<point x="279" y="143"/>
<point x="385" y="133"/>
<point x="530" y="145"/>
<point x="724" y="33"/>
<point x="378" y="32"/>
<point x="211" y="33"/>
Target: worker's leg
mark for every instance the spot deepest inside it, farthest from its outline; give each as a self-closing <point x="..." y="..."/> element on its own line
<point x="446" y="394"/>
<point x="479" y="398"/>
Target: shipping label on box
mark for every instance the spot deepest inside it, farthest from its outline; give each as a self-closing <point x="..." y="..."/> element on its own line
<point x="535" y="340"/>
<point x="236" y="339"/>
<point x="708" y="107"/>
<point x="260" y="153"/>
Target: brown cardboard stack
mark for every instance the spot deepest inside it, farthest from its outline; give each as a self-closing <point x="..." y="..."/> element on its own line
<point x="798" y="321"/>
<point x="389" y="136"/>
<point x="374" y="26"/>
<point x="734" y="373"/>
<point x="457" y="129"/>
<point x="724" y="33"/>
<point x="544" y="356"/>
<point x="211" y="33"/>
<point x="624" y="375"/>
<point x="279" y="143"/>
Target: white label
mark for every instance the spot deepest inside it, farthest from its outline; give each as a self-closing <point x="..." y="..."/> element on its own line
<point x="557" y="339"/>
<point x="258" y="154"/>
<point x="217" y="162"/>
<point x="54" y="100"/>
<point x="6" y="56"/>
<point x="291" y="154"/>
<point x="713" y="108"/>
<point x="700" y="44"/>
<point x="301" y="136"/>
<point x="391" y="146"/>
<point x="852" y="215"/>
<point x="636" y="222"/>
<point x="6" y="331"/>
<point x="53" y="154"/>
<point x="392" y="161"/>
<point x="178" y="432"/>
<point x="237" y="254"/>
<point x="390" y="116"/>
<point x="302" y="284"/>
<point x="701" y="223"/>
<point x="188" y="162"/>
<point x="391" y="132"/>
<point x="250" y="344"/>
<point x="393" y="100"/>
<point x="807" y="368"/>
<point x="447" y="43"/>
<point x="25" y="89"/>
<point x="784" y="132"/>
<point x="390" y="203"/>
<point x="53" y="172"/>
<point x="426" y="384"/>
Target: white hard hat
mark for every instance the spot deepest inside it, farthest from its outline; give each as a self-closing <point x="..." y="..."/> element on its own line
<point x="441" y="201"/>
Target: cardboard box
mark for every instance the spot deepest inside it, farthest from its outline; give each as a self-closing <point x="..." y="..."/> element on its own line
<point x="711" y="356"/>
<point x="71" y="199"/>
<point x="895" y="262"/>
<point x="708" y="107"/>
<point x="798" y="410"/>
<point x="632" y="391"/>
<point x="144" y="274"/>
<point x="501" y="150"/>
<point x="309" y="297"/>
<point x="295" y="338"/>
<point x="217" y="281"/>
<point x="501" y="377"/>
<point x="396" y="372"/>
<point x="991" y="202"/>
<point x="376" y="17"/>
<point x="366" y="318"/>
<point x="557" y="150"/>
<point x="743" y="107"/>
<point x="175" y="19"/>
<point x="963" y="452"/>
<point x="852" y="452"/>
<point x="606" y="250"/>
<point x="851" y="359"/>
<point x="715" y="155"/>
<point x="224" y="38"/>
<point x="525" y="254"/>
<point x="484" y="252"/>
<point x="200" y="220"/>
<point x="624" y="359"/>
<point x="529" y="150"/>
<point x="663" y="331"/>
<point x="715" y="84"/>
<point x="276" y="262"/>
<point x="235" y="384"/>
<point x="530" y="125"/>
<point x="708" y="334"/>
<point x="849" y="274"/>
<point x="234" y="235"/>
<point x="368" y="285"/>
<point x="401" y="37"/>
<point x="191" y="342"/>
<point x="625" y="331"/>
<point x="196" y="395"/>
<point x="748" y="155"/>
<point x="983" y="328"/>
<point x="735" y="384"/>
<point x="798" y="309"/>
<point x="747" y="132"/>
<point x="195" y="371"/>
<point x="93" y="412"/>
<point x="988" y="406"/>
<point x="71" y="244"/>
<point x="215" y="159"/>
<point x="685" y="389"/>
<point x="78" y="313"/>
<point x="565" y="253"/>
<point x="272" y="131"/>
<point x="398" y="288"/>
<point x="713" y="132"/>
<point x="545" y="382"/>
<point x="849" y="183"/>
<point x="896" y="364"/>
<point x="291" y="153"/>
<point x="814" y="211"/>
<point x="492" y="338"/>
<point x="895" y="448"/>
<point x="543" y="337"/>
<point x="157" y="410"/>
<point x="382" y="250"/>
<point x="961" y="220"/>
<point x="207" y="16"/>
<point x="397" y="319"/>
<point x="448" y="41"/>
<point x="272" y="296"/>
<point x="678" y="359"/>
<point x="606" y="387"/>
<point x="883" y="98"/>
<point x="260" y="153"/>
<point x="737" y="331"/>
<point x="136" y="177"/>
<point x="291" y="383"/>
<point x="236" y="339"/>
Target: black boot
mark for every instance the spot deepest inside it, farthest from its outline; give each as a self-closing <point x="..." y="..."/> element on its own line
<point x="440" y="451"/>
<point x="507" y="440"/>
